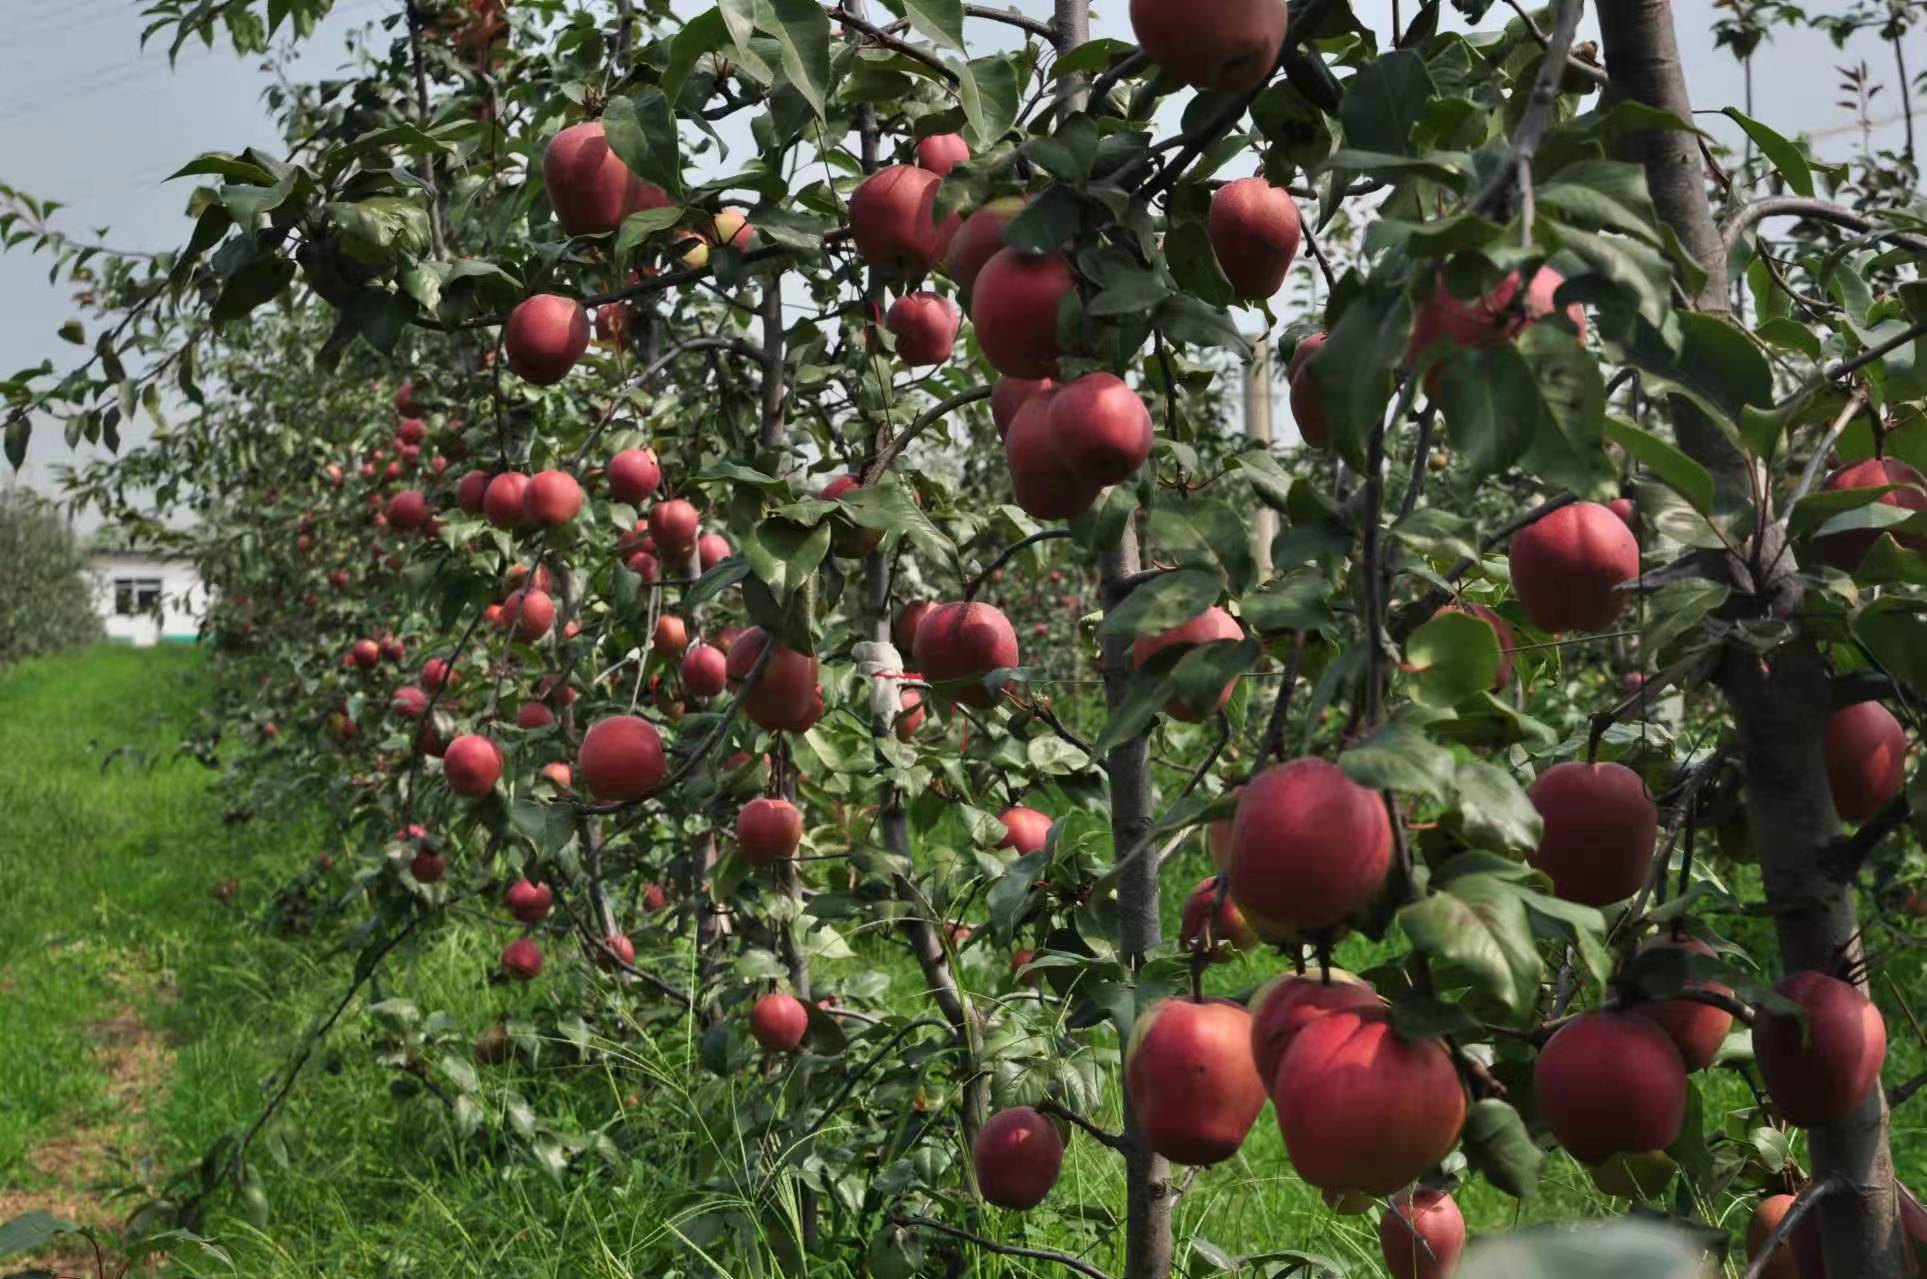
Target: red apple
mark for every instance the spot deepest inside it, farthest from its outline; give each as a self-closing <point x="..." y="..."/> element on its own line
<point x="546" y="335"/>
<point x="1190" y="1080"/>
<point x="942" y="152"/>
<point x="1287" y="1003"/>
<point x="787" y="698"/>
<point x="965" y="641"/>
<point x="428" y="868"/>
<point x="1697" y="1030"/>
<point x="1845" y="550"/>
<point x="1307" y="409"/>
<point x="1363" y="1109"/>
<point x="675" y="526"/>
<point x="409" y="702"/>
<point x="903" y="628"/>
<point x="1599" y="832"/>
<point x="703" y="671"/>
<point x="1421" y="1235"/>
<point x="1309" y="848"/>
<point x="590" y="189"/>
<point x="1866" y="751"/>
<point x="1567" y="567"/>
<point x="1819" y="1073"/>
<point x="365" y="654"/>
<point x="529" y="903"/>
<point x="778" y="1021"/>
<point x="1025" y="829"/>
<point x="1491" y="321"/>
<point x="435" y="673"/>
<point x="551" y="499"/>
<point x="407" y="402"/>
<point x="469" y="491"/>
<point x="522" y="959"/>
<point x="1623" y="508"/>
<point x="1100" y="428"/>
<point x="1208" y="627"/>
<point x="530" y="612"/>
<point x="671" y="637"/>
<point x="1043" y="482"/>
<point x="1017" y="1156"/>
<point x="712" y="549"/>
<point x="1229" y="932"/>
<point x="633" y="475"/>
<point x="472" y="764"/>
<point x="893" y="220"/>
<point x="979" y="238"/>
<point x="1254" y="232"/>
<point x="618" y="952"/>
<point x="1011" y="394"/>
<point x="1788" y="1258"/>
<point x="502" y="502"/>
<point x="1609" y="1084"/>
<point x="769" y="829"/>
<point x="408" y="510"/>
<point x="621" y="758"/>
<point x="925" y="325"/>
<point x="1227" y="46"/>
<point x="1013" y="306"/>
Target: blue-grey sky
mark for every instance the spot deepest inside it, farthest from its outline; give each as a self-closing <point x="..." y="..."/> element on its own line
<point x="89" y="118"/>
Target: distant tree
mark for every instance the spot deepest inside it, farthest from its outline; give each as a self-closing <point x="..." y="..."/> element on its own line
<point x="45" y="604"/>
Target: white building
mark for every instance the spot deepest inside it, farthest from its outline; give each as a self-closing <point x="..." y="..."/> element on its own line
<point x="147" y="599"/>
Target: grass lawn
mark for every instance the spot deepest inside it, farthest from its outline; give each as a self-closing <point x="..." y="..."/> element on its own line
<point x="148" y="1010"/>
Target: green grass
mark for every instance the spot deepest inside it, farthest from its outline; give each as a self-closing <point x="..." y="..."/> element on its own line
<point x="109" y="861"/>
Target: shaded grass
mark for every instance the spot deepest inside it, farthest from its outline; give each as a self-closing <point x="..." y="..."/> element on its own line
<point x="109" y="875"/>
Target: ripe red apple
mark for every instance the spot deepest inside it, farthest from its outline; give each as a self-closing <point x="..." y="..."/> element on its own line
<point x="787" y="698"/>
<point x="1623" y="508"/>
<point x="1307" y="409"/>
<point x="703" y="671"/>
<point x="965" y="641"/>
<point x="408" y="510"/>
<point x="428" y="868"/>
<point x="529" y="903"/>
<point x="1567" y="567"/>
<point x="1254" y="232"/>
<point x="850" y="541"/>
<point x="407" y="402"/>
<point x="435" y="673"/>
<point x="712" y="549"/>
<point x="522" y="959"/>
<point x="1101" y="428"/>
<point x="1363" y="1109"/>
<point x="778" y="1021"/>
<point x="769" y="829"/>
<point x="533" y="714"/>
<point x="1845" y="550"/>
<point x="411" y="430"/>
<point x="1017" y="1156"/>
<point x="1227" y="46"/>
<point x="1600" y="827"/>
<point x="1025" y="829"/>
<point x="472" y="764"/>
<point x="365" y="654"/>
<point x="1609" y="1084"/>
<point x="1820" y="1073"/>
<point x="1697" y="1030"/>
<point x="551" y="499"/>
<point x="893" y="220"/>
<point x="1866" y="751"/>
<point x="1011" y="394"/>
<point x="1309" y="848"/>
<point x="1287" y="1003"/>
<point x="925" y="325"/>
<point x="1041" y="478"/>
<point x="558" y="775"/>
<point x="611" y="322"/>
<point x="621" y="758"/>
<point x="633" y="475"/>
<point x="546" y="335"/>
<point x="1208" y="627"/>
<point x="942" y="152"/>
<point x="979" y="238"/>
<point x="910" y="715"/>
<point x="1190" y="1081"/>
<point x="409" y="702"/>
<point x="903" y="628"/>
<point x="1499" y="628"/>
<point x="530" y="612"/>
<point x="618" y="952"/>
<point x="1013" y="305"/>
<point x="1787" y="1258"/>
<point x="469" y="491"/>
<point x="675" y="526"/>
<point x="590" y="189"/>
<point x="644" y="565"/>
<point x="671" y="637"/>
<point x="1422" y="1234"/>
<point x="502" y="501"/>
<point x="1491" y="321"/>
<point x="654" y="898"/>
<point x="1227" y="924"/>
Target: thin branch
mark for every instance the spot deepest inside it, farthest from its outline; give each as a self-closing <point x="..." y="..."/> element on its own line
<point x="1273" y="742"/>
<point x="1877" y="351"/>
<point x="1818" y="462"/>
<point x="1009" y="553"/>
<point x="1128" y="66"/>
<point x="1318" y="256"/>
<point x="1642" y="697"/>
<point x="1537" y="117"/>
<point x="894" y="449"/>
<point x="1116" y="1141"/>
<point x="1042" y="30"/>
<point x="1902" y="1091"/>
<point x="1004" y="1249"/>
<point x="1786" y="206"/>
<point x="1845" y="855"/>
<point x="1815" y="1191"/>
<point x="893" y="44"/>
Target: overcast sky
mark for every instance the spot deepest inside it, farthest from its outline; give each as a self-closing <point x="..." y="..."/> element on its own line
<point x="89" y="118"/>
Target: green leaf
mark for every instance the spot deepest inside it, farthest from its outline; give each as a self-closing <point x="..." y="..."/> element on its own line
<point x="802" y="31"/>
<point x="1493" y="812"/>
<point x="1677" y="471"/>
<point x="1204" y="533"/>
<point x="641" y="130"/>
<point x="703" y="34"/>
<point x="1603" y="195"/>
<point x="1353" y="372"/>
<point x="1895" y="631"/>
<point x="73" y="332"/>
<point x="1478" y="924"/>
<point x="739" y="19"/>
<point x="1498" y="1147"/>
<point x="638" y="227"/>
<point x="1452" y="657"/>
<point x="1298" y="601"/>
<point x="32" y="1232"/>
<point x="938" y="20"/>
<point x="783" y="554"/>
<point x="1384" y="101"/>
<point x="18" y="431"/>
<point x="1492" y="406"/>
<point x="992" y="95"/>
<point x="1568" y="450"/>
<point x="1045" y="222"/>
<point x="1640" y="271"/>
<point x="1011" y="894"/>
<point x="1784" y="155"/>
<point x="256" y="284"/>
<point x="1400" y="758"/>
<point x="1581" y="927"/>
<point x="1167" y="600"/>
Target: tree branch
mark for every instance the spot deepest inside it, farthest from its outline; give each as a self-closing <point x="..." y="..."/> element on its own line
<point x="893" y="44"/>
<point x="1005" y="1249"/>
<point x="1010" y="552"/>
<point x="894" y="449"/>
<point x="1031" y="26"/>
<point x="1814" y="1192"/>
<point x="1786" y="206"/>
<point x="1114" y="1140"/>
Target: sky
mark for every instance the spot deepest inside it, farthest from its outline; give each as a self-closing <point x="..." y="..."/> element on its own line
<point x="89" y="118"/>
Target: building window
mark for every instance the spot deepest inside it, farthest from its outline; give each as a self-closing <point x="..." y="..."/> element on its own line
<point x="136" y="595"/>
